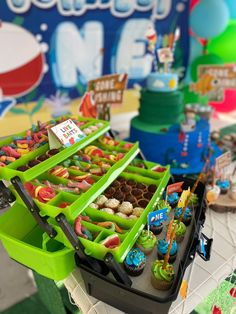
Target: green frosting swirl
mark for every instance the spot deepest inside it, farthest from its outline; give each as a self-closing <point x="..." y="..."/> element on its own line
<point x="147" y="241"/>
<point x="162" y="274"/>
<point x="193" y="199"/>
<point x="181" y="228"/>
<point x="163" y="204"/>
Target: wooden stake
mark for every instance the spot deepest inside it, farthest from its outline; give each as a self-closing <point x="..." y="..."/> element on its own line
<point x="167" y="256"/>
<point x="192" y="191"/>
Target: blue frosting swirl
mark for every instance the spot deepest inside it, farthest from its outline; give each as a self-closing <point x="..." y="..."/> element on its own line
<point x="188" y="213"/>
<point x="162" y="247"/>
<point x="223" y="184"/>
<point x="173" y="198"/>
<point x="135" y="258"/>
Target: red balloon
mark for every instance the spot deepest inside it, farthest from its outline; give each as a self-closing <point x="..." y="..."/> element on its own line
<point x="228" y="104"/>
<point x="193" y="3"/>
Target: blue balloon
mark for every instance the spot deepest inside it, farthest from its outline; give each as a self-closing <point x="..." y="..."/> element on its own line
<point x="232" y="8"/>
<point x="209" y="18"/>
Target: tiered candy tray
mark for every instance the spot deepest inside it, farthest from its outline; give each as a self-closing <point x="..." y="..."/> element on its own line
<point x="11" y="170"/>
<point x="131" y="227"/>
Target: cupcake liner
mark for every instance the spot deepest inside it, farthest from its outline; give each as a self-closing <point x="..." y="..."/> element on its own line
<point x="171" y="260"/>
<point x="160" y="284"/>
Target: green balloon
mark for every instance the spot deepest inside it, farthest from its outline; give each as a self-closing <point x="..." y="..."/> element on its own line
<point x="189" y="97"/>
<point x="204" y="60"/>
<point x="225" y="45"/>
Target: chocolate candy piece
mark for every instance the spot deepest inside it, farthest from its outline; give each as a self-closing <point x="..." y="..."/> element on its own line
<point x="33" y="163"/>
<point x="141" y="186"/>
<point x="152" y="188"/>
<point x="52" y="152"/>
<point x="126" y="189"/>
<point x="142" y="203"/>
<point x="131" y="182"/>
<point x="130" y="198"/>
<point x="119" y="196"/>
<point x="42" y="157"/>
<point x="23" y="168"/>
<point x="148" y="195"/>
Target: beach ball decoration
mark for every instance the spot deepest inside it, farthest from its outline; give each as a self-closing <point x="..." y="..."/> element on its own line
<point x="209" y="18"/>
<point x="21" y="60"/>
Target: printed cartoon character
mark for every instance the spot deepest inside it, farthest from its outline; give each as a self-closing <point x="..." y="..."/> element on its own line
<point x="206" y="84"/>
<point x="21" y="60"/>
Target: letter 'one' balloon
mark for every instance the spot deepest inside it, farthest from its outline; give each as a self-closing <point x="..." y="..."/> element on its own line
<point x="225" y="45"/>
<point x="209" y="18"/>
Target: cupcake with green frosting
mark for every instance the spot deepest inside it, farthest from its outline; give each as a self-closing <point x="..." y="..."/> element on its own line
<point x="163" y="204"/>
<point x="180" y="230"/>
<point x="161" y="278"/>
<point x="193" y="200"/>
<point x="146" y="241"/>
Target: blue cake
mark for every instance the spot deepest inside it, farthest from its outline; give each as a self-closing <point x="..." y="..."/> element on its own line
<point x="162" y="131"/>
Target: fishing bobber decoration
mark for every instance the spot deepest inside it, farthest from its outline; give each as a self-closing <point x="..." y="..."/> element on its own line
<point x="199" y="140"/>
<point x="184" y="151"/>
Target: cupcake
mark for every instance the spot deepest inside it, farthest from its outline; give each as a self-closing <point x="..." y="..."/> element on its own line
<point x="126" y="189"/>
<point x="156" y="227"/>
<point x="162" y="204"/>
<point x="109" y="192"/>
<point x="148" y="195"/>
<point x="131" y="183"/>
<point x="180" y="230"/>
<point x="143" y="203"/>
<point x="146" y="241"/>
<point x="135" y="262"/>
<point x="162" y="247"/>
<point x="119" y="196"/>
<point x="152" y="188"/>
<point x="162" y="279"/>
<point x="137" y="193"/>
<point x="137" y="211"/>
<point x="126" y="208"/>
<point x="112" y="203"/>
<point x="173" y="199"/>
<point x="187" y="215"/>
<point x="141" y="186"/>
<point x="101" y="200"/>
<point x="130" y="198"/>
<point x="193" y="200"/>
<point x="224" y="186"/>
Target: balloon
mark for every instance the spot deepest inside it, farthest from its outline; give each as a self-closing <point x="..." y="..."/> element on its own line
<point x="209" y="18"/>
<point x="232" y="8"/>
<point x="189" y="97"/>
<point x="225" y="44"/>
<point x="196" y="49"/>
<point x="205" y="59"/>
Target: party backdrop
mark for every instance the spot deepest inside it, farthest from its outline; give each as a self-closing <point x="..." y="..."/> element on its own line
<point x="58" y="45"/>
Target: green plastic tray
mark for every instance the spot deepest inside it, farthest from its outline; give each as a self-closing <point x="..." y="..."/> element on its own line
<point x="133" y="227"/>
<point x="10" y="171"/>
<point x="26" y="243"/>
<point x="81" y="201"/>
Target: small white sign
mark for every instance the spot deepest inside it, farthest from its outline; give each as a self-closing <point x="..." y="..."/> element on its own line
<point x="64" y="134"/>
<point x="165" y="55"/>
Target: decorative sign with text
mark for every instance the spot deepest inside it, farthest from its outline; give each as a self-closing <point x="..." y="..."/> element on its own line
<point x="108" y="89"/>
<point x="157" y="216"/>
<point x="64" y="134"/>
<point x="223" y="160"/>
<point x="224" y="76"/>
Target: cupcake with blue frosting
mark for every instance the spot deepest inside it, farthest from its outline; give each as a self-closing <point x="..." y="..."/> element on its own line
<point x="135" y="262"/>
<point x="224" y="186"/>
<point x="173" y="199"/>
<point x="188" y="214"/>
<point x="162" y="248"/>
